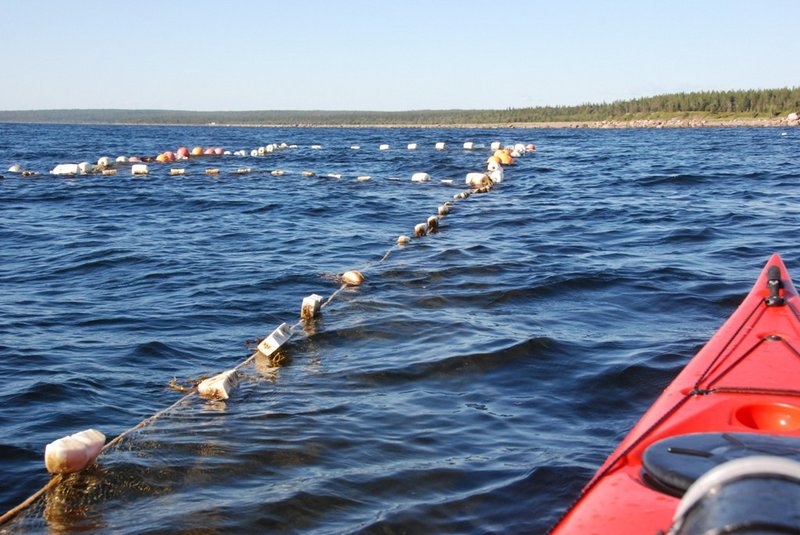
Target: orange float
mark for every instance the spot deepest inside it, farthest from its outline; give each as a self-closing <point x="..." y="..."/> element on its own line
<point x="505" y="157"/>
<point x="197" y="151"/>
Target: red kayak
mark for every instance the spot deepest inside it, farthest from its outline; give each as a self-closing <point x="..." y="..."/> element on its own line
<point x="718" y="451"/>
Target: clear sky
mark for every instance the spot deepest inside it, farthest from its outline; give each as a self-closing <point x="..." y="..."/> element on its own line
<point x="386" y="54"/>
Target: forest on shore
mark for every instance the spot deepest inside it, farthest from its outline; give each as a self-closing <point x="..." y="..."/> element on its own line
<point x="705" y="105"/>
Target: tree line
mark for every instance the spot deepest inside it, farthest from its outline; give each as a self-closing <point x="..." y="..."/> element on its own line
<point x="758" y="103"/>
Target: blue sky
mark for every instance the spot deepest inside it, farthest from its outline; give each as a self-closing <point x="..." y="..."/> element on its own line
<point x="386" y="55"/>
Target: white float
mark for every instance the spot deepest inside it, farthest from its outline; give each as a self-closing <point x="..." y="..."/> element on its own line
<point x="412" y="146"/>
<point x="469" y="145"/>
<point x="85" y="168"/>
<point x="122" y="159"/>
<point x="403" y="240"/>
<point x="384" y="147"/>
<point x="220" y="386"/>
<point x="420" y="177"/>
<point x="16" y="168"/>
<point x="105" y="161"/>
<point x="275" y="340"/>
<point x="496" y="145"/>
<point x="65" y="169"/>
<point x="477" y="179"/>
<point x="433" y="223"/>
<point x="420" y="230"/>
<point x="73" y="453"/>
<point x="496" y="175"/>
<point x="441" y="145"/>
<point x="311" y="307"/>
<point x="139" y="169"/>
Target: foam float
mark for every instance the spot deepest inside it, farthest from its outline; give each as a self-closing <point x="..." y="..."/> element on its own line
<point x="363" y="178"/>
<point x="220" y="386"/>
<point x="412" y="146"/>
<point x="478" y="180"/>
<point x="384" y="146"/>
<point x="65" y="169"/>
<point x="496" y="175"/>
<point x="469" y="145"/>
<point x="420" y="177"/>
<point x="440" y="145"/>
<point x="139" y="169"/>
<point x="179" y="171"/>
<point x="275" y="340"/>
<point x="108" y="172"/>
<point x="309" y="173"/>
<point x="311" y="307"/>
<point x="214" y="171"/>
<point x="74" y="452"/>
<point x="352" y="278"/>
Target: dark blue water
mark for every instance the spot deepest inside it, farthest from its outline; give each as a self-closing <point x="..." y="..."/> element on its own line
<point x="472" y="385"/>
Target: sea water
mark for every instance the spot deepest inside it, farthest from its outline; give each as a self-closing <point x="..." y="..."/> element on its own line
<point x="472" y="384"/>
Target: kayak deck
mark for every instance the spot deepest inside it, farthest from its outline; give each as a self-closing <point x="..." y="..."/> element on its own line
<point x="745" y="380"/>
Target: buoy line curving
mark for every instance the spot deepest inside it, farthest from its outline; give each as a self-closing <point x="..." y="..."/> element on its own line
<point x="88" y="445"/>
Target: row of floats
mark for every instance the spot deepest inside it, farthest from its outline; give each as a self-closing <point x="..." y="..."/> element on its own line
<point x="138" y="165"/>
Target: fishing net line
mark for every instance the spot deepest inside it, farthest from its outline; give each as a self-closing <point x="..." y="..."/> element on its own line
<point x="148" y="461"/>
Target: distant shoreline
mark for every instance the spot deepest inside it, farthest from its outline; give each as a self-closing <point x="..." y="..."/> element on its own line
<point x="606" y="124"/>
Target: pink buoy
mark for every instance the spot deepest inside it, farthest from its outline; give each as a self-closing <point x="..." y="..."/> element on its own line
<point x="182" y="152"/>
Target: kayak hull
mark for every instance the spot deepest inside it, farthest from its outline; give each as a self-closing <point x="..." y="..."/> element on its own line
<point x="744" y="380"/>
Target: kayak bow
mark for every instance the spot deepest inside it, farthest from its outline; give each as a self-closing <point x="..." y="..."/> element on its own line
<point x="739" y="396"/>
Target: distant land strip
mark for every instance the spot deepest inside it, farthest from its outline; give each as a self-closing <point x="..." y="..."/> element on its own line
<point x="761" y="107"/>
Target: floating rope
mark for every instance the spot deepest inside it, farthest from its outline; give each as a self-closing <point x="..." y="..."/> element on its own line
<point x="273" y="342"/>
